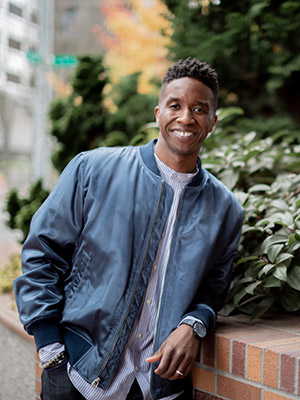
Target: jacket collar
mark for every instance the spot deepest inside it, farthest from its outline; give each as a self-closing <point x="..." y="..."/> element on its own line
<point x="147" y="153"/>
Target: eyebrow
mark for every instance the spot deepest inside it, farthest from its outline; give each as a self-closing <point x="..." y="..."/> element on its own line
<point x="171" y="99"/>
<point x="177" y="99"/>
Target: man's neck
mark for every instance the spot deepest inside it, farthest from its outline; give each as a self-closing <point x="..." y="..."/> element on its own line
<point x="177" y="162"/>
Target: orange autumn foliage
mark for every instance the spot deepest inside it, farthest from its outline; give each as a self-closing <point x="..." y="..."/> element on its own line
<point x="133" y="39"/>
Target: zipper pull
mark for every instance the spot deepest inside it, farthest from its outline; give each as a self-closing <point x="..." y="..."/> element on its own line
<point x="96" y="382"/>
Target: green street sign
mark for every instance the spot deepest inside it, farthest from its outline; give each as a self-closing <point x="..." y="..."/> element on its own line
<point x="64" y="61"/>
<point x="59" y="60"/>
<point x="33" y="57"/>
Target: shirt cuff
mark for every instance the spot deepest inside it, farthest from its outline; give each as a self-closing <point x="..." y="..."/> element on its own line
<point x="194" y="320"/>
<point x="49" y="351"/>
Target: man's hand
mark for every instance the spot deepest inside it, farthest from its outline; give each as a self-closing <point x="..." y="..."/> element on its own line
<point x="177" y="353"/>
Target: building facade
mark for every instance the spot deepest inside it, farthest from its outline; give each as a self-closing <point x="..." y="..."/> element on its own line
<point x="18" y="37"/>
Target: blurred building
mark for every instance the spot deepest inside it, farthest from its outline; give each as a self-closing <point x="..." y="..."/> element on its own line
<point x="18" y="35"/>
<point x="28" y="39"/>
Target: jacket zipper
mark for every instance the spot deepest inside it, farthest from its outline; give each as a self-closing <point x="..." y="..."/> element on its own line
<point x="162" y="289"/>
<point x="98" y="379"/>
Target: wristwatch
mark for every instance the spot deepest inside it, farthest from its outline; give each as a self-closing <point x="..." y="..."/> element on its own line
<point x="199" y="329"/>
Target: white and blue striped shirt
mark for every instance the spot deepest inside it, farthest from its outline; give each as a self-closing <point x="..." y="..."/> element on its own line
<point x="140" y="345"/>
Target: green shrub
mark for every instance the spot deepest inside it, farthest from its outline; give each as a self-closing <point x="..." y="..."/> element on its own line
<point x="265" y="177"/>
<point x="9" y="273"/>
<point x="21" y="210"/>
<point x="266" y="275"/>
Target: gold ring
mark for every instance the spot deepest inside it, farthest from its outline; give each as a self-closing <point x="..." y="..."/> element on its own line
<point x="179" y="373"/>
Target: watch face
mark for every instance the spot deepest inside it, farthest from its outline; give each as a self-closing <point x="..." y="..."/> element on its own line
<point x="199" y="329"/>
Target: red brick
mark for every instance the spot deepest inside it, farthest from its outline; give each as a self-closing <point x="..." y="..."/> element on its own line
<point x="263" y="336"/>
<point x="38" y="387"/>
<point x="198" y="395"/>
<point x="223" y="351"/>
<point x="287" y="341"/>
<point x="38" y="370"/>
<point x="287" y="373"/>
<point x="203" y="379"/>
<point x="235" y="390"/>
<point x="274" y="396"/>
<point x="270" y="368"/>
<point x="298" y="377"/>
<point x="254" y="363"/>
<point x="238" y="358"/>
<point x="208" y="351"/>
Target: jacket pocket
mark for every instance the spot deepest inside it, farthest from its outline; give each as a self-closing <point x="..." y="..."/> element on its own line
<point x="76" y="343"/>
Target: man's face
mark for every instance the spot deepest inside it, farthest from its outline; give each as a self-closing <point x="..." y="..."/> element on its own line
<point x="185" y="116"/>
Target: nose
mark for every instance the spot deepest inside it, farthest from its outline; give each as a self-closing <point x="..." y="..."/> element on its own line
<point x="185" y="116"/>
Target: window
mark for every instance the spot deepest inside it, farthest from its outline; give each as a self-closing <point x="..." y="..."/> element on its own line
<point x="13" y="78"/>
<point x="34" y="17"/>
<point x="12" y="8"/>
<point x="14" y="44"/>
<point x="32" y="81"/>
<point x="68" y="16"/>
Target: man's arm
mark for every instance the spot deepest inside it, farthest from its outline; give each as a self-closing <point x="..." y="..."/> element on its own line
<point x="178" y="352"/>
<point x="47" y="254"/>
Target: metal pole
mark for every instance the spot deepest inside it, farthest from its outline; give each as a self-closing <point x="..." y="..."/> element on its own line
<point x="41" y="148"/>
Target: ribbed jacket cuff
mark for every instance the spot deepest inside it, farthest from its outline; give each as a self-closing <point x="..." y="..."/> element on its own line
<point x="46" y="331"/>
<point x="206" y="315"/>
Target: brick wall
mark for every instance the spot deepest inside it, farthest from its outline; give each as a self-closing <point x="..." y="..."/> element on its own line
<point x="250" y="361"/>
<point x="240" y="361"/>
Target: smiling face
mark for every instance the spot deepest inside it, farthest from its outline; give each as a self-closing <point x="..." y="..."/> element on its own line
<point x="185" y="116"/>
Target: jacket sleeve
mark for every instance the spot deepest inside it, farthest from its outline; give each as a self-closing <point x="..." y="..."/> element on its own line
<point x="47" y="255"/>
<point x="214" y="287"/>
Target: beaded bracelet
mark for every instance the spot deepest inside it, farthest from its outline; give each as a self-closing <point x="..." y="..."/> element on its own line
<point x="55" y="361"/>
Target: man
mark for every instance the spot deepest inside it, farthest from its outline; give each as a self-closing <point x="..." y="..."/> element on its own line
<point x="129" y="258"/>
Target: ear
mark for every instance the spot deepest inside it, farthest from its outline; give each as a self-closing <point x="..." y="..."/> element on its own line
<point x="215" y="118"/>
<point x="157" y="113"/>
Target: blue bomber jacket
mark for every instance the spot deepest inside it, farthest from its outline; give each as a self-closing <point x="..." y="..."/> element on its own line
<point x="91" y="248"/>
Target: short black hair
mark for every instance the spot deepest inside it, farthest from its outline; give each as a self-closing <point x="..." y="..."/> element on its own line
<point x="193" y="68"/>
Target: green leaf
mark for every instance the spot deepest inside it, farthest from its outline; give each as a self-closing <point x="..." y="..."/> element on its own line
<point x="290" y="300"/>
<point x="294" y="247"/>
<point x="259" y="188"/>
<point x="283" y="257"/>
<point x="227" y="309"/>
<point x="245" y="259"/>
<point x="292" y="239"/>
<point x="245" y="280"/>
<point x="293" y="278"/>
<point x="239" y="296"/>
<point x="265" y="270"/>
<point x="273" y="251"/>
<point x="280" y="205"/>
<point x="270" y="240"/>
<point x="250" y="288"/>
<point x="258" y="264"/>
<point x="229" y="112"/>
<point x="280" y="272"/>
<point x="262" y="307"/>
<point x="297" y="235"/>
<point x="272" y="282"/>
<point x="250" y="300"/>
<point x="229" y="178"/>
<point x="249" y="137"/>
<point x="285" y="219"/>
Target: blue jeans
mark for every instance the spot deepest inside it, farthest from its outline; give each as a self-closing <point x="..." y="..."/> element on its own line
<point x="56" y="385"/>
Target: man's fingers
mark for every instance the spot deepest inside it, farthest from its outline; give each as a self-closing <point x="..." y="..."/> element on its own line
<point x="182" y="370"/>
<point x="156" y="357"/>
<point x="167" y="369"/>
